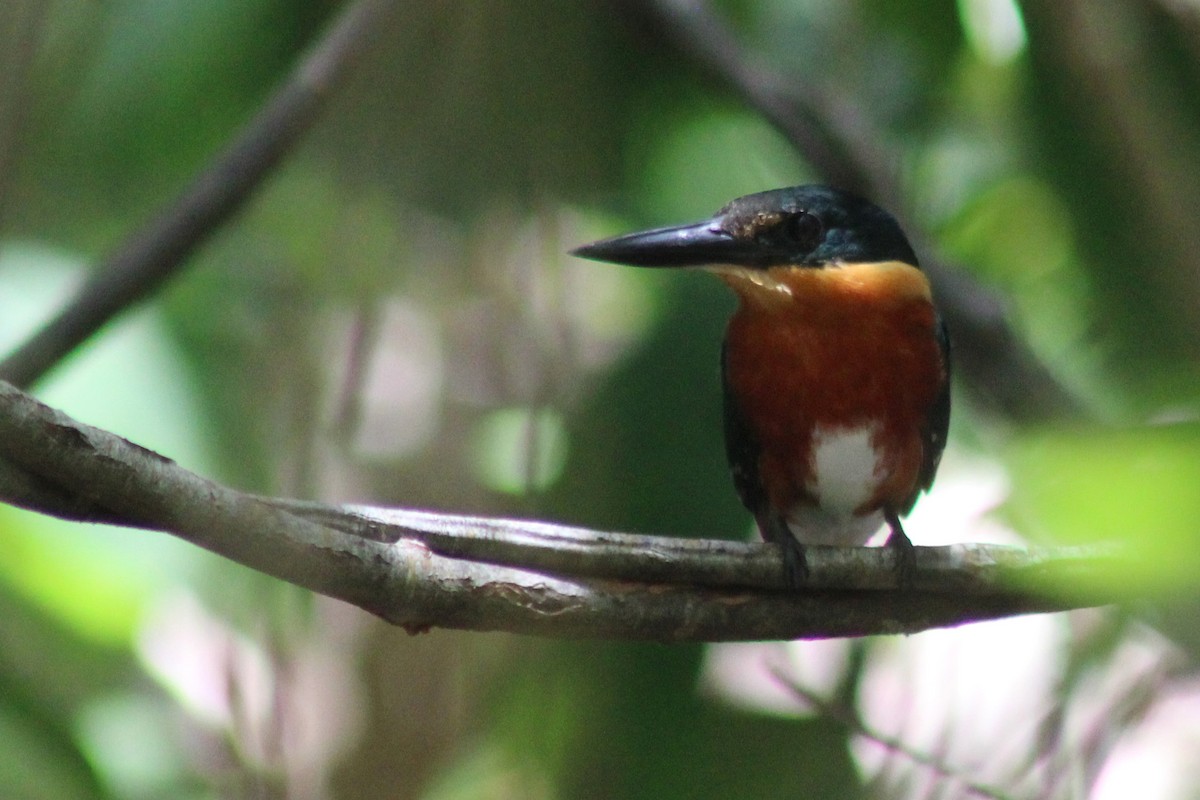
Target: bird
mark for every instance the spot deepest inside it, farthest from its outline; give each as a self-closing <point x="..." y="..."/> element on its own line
<point x="835" y="366"/>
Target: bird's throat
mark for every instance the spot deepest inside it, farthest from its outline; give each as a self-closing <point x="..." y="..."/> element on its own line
<point x="797" y="288"/>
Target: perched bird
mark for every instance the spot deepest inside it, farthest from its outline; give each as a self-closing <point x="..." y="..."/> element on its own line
<point x="835" y="366"/>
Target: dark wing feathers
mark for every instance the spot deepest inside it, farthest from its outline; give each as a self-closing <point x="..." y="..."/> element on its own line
<point x="741" y="446"/>
<point x="937" y="424"/>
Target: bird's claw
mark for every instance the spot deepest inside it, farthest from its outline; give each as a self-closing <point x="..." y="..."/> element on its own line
<point x="906" y="555"/>
<point x="795" y="564"/>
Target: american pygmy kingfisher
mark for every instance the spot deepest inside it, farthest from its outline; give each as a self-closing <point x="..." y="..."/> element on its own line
<point x="835" y="366"/>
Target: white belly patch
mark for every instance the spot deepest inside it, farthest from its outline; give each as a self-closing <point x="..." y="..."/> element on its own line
<point x="846" y="473"/>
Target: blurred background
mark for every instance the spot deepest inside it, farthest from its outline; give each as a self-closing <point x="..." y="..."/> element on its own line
<point x="393" y="320"/>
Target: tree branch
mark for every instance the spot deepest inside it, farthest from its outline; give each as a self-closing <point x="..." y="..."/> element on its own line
<point x="421" y="569"/>
<point x="152" y="254"/>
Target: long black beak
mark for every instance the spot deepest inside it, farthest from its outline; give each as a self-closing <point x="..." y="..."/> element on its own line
<point x="696" y="245"/>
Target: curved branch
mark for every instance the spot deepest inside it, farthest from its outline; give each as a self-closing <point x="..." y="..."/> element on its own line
<point x="421" y="569"/>
<point x="152" y="254"/>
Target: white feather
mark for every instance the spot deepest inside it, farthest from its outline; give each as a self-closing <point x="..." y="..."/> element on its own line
<point x="846" y="473"/>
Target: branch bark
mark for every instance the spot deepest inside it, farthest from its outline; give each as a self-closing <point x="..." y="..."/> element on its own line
<point x="421" y="569"/>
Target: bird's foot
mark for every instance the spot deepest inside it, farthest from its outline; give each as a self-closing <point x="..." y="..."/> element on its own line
<point x="906" y="555"/>
<point x="795" y="564"/>
<point x="774" y="528"/>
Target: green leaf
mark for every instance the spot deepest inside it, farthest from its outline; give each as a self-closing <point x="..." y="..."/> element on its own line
<point x="1139" y="487"/>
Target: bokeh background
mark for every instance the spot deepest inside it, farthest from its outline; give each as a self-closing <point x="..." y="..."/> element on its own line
<point x="394" y="320"/>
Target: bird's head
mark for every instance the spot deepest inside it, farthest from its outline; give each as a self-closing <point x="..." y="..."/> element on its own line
<point x="809" y="226"/>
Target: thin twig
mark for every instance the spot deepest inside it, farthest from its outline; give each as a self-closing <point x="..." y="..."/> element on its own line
<point x="848" y="718"/>
<point x="152" y="254"/>
<point x="834" y="137"/>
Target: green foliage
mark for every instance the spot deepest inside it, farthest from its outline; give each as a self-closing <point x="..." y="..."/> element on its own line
<point x="1136" y="487"/>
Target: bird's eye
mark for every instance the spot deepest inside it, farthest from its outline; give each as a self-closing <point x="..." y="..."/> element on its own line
<point x="802" y="229"/>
